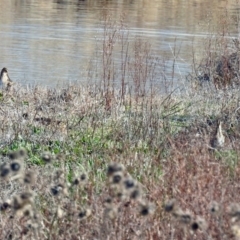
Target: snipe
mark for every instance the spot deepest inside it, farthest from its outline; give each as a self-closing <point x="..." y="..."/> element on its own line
<point x="218" y="139"/>
<point x="5" y="79"/>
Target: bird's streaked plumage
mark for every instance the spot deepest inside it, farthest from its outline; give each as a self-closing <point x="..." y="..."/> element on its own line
<point x="6" y="82"/>
<point x="218" y="139"/>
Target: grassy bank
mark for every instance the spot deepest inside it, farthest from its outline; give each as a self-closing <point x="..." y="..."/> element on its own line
<point x="105" y="161"/>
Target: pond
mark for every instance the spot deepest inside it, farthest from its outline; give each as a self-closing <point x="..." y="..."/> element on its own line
<point x="52" y="42"/>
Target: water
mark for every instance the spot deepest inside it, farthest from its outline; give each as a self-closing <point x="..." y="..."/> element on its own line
<point x="51" y="42"/>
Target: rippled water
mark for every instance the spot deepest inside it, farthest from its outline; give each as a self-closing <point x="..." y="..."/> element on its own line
<point x="51" y="42"/>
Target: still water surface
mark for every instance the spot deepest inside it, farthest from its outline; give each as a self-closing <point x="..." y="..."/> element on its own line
<point x="51" y="42"/>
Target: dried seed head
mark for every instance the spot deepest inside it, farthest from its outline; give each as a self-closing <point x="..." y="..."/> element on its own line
<point x="81" y="180"/>
<point x="19" y="201"/>
<point x="27" y="211"/>
<point x="120" y="195"/>
<point x="199" y="223"/>
<point x="16" y="203"/>
<point x="47" y="157"/>
<point x="170" y="206"/>
<point x="146" y="209"/>
<point x="82" y="214"/>
<point x="13" y="155"/>
<point x="129" y="183"/>
<point x="194" y="226"/>
<point x="127" y="204"/>
<point x="83" y="177"/>
<point x="117" y="178"/>
<point x="85" y="213"/>
<point x="25" y="230"/>
<point x="214" y="208"/>
<point x="29" y="177"/>
<point x="76" y="181"/>
<point x="9" y="235"/>
<point x="135" y="193"/>
<point x="5" y="205"/>
<point x="34" y="225"/>
<point x="22" y="153"/>
<point x="57" y="189"/>
<point x="15" y="166"/>
<point x="26" y="196"/>
<point x="185" y="218"/>
<point x="4" y="172"/>
<point x="108" y="202"/>
<point x="113" y="168"/>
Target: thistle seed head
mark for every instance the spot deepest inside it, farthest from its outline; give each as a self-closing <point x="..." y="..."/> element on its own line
<point x="22" y="153"/>
<point x="56" y="190"/>
<point x="199" y="223"/>
<point x="170" y="206"/>
<point x="113" y="168"/>
<point x="129" y="183"/>
<point x="15" y="166"/>
<point x="29" y="177"/>
<point x="146" y="209"/>
<point x="135" y="193"/>
<point x="5" y="205"/>
<point x="81" y="180"/>
<point x="108" y="202"/>
<point x="13" y="155"/>
<point x="214" y="208"/>
<point x="21" y="200"/>
<point x="85" y="213"/>
<point x="4" y="172"/>
<point x="117" y="178"/>
<point x="185" y="218"/>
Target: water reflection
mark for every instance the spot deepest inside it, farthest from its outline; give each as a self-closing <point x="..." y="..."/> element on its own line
<point x="48" y="42"/>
